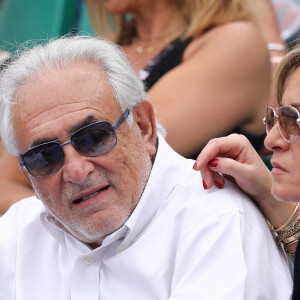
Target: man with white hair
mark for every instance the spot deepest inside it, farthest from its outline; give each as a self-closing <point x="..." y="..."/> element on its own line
<point x="121" y="215"/>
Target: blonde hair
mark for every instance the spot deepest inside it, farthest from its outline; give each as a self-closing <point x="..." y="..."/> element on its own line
<point x="207" y="14"/>
<point x="200" y="16"/>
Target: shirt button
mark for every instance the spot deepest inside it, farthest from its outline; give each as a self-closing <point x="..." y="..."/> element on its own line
<point x="88" y="260"/>
<point x="121" y="248"/>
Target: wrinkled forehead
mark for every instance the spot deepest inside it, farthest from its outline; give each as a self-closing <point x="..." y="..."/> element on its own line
<point x="51" y="88"/>
<point x="61" y="97"/>
<point x="59" y="84"/>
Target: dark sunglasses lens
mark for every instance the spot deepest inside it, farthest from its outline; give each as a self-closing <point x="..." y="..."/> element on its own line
<point x="270" y="119"/>
<point x="95" y="139"/>
<point x="288" y="123"/>
<point x="44" y="160"/>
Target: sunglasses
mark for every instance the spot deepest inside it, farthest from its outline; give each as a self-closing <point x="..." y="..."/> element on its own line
<point x="288" y="120"/>
<point x="91" y="140"/>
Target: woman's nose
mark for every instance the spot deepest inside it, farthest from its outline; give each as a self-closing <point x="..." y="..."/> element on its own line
<point x="274" y="139"/>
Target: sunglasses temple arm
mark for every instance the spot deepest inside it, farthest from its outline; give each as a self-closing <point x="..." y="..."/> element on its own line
<point x="121" y="120"/>
<point x="21" y="161"/>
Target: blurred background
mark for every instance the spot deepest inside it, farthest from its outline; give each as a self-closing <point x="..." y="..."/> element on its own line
<point x="39" y="20"/>
<point x="288" y="16"/>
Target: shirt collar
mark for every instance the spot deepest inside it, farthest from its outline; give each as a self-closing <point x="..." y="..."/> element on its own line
<point x="160" y="185"/>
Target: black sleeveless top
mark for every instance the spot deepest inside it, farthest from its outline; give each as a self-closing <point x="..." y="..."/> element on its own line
<point x="296" y="291"/>
<point x="166" y="60"/>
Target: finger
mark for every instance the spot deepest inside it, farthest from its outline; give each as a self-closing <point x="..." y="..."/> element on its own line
<point x="230" y="146"/>
<point x="218" y="180"/>
<point x="241" y="173"/>
<point x="207" y="177"/>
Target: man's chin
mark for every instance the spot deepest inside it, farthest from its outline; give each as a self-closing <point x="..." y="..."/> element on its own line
<point x="95" y="232"/>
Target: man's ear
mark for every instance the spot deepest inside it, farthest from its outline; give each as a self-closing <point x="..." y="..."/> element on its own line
<point x="145" y="119"/>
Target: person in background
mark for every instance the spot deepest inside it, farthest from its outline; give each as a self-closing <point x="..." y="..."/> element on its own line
<point x="276" y="192"/>
<point x="269" y="26"/>
<point x="14" y="186"/>
<point x="288" y="15"/>
<point x="119" y="214"/>
<point x="197" y="59"/>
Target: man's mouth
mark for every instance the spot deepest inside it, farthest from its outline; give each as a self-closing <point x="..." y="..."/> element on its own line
<point x="89" y="196"/>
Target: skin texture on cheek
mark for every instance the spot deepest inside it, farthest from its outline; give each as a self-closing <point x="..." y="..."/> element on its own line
<point x="93" y="223"/>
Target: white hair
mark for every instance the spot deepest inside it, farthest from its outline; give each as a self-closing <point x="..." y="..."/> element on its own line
<point x="61" y="53"/>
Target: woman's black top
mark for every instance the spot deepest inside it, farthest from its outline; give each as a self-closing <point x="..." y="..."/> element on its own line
<point x="296" y="291"/>
<point x="166" y="60"/>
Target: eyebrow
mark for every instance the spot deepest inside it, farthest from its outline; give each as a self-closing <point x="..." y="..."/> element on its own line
<point x="87" y="121"/>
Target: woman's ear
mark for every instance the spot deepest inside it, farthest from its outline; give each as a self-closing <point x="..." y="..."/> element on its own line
<point x="145" y="119"/>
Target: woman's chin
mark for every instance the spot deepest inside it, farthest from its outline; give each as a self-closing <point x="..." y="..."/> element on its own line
<point x="284" y="194"/>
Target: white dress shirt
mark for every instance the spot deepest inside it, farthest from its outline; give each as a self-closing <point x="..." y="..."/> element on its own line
<point x="181" y="242"/>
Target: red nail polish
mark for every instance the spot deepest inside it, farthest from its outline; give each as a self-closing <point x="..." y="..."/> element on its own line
<point x="204" y="184"/>
<point x="218" y="184"/>
<point x="213" y="163"/>
<point x="195" y="165"/>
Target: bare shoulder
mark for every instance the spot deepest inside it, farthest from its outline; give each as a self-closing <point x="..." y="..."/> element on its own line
<point x="237" y="37"/>
<point x="12" y="167"/>
<point x="226" y="68"/>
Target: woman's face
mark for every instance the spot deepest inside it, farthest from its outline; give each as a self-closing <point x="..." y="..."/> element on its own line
<point x="286" y="156"/>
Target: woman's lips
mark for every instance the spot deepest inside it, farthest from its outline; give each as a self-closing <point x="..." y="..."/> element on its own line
<point x="277" y="168"/>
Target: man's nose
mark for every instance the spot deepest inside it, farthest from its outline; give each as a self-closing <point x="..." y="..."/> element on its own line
<point x="76" y="167"/>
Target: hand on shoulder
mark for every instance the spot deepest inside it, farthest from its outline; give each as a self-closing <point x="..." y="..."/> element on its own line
<point x="235" y="157"/>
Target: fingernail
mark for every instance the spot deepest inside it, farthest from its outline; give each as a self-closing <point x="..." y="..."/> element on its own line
<point x="195" y="165"/>
<point x="218" y="184"/>
<point x="213" y="163"/>
<point x="204" y="184"/>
